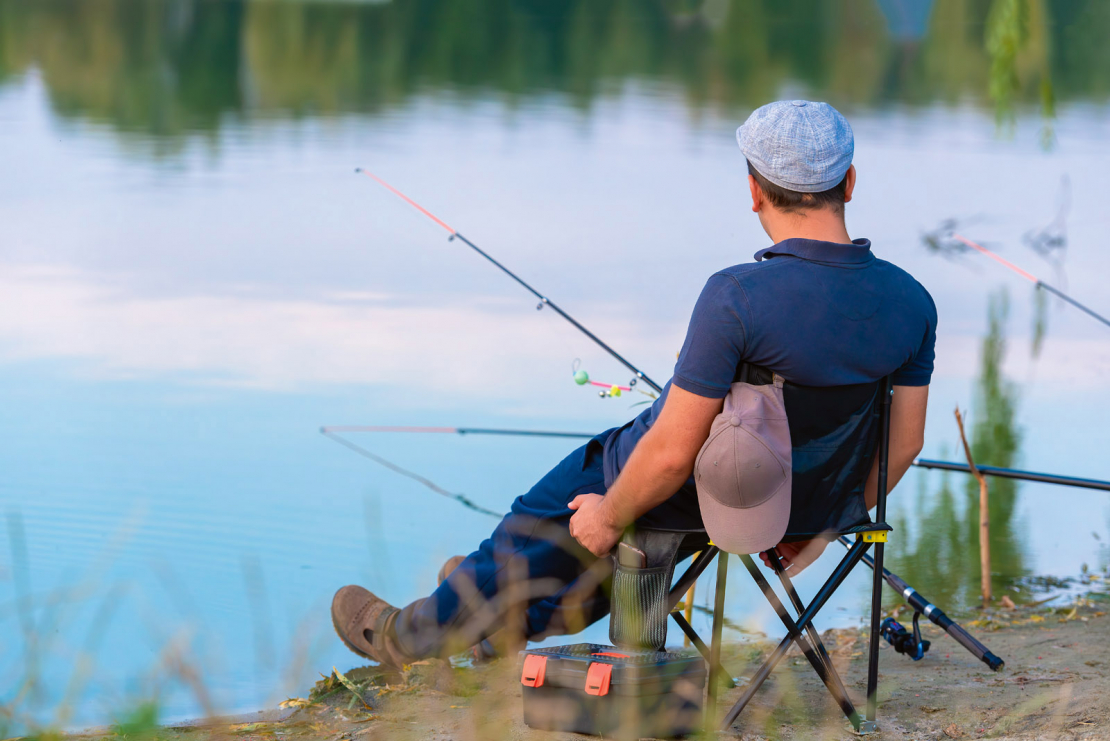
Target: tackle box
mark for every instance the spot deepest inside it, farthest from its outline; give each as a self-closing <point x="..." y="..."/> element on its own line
<point x="602" y="690"/>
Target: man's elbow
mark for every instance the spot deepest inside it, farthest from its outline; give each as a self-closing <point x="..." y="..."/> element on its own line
<point x="674" y="465"/>
<point x="911" y="448"/>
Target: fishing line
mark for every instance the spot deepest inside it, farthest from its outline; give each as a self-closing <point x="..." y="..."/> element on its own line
<point x="461" y="499"/>
<point x="544" y="300"/>
<point x="1030" y="277"/>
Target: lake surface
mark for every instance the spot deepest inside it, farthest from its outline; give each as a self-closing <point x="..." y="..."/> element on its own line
<point x="193" y="281"/>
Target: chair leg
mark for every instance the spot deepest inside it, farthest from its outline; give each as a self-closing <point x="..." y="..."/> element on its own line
<point x="873" y="649"/>
<point x="784" y="579"/>
<point x="699" y="644"/>
<point x="839" y="574"/>
<point x="824" y="670"/>
<point x="715" y="641"/>
<point x="811" y="631"/>
<point x="701" y="563"/>
<point x="877" y="580"/>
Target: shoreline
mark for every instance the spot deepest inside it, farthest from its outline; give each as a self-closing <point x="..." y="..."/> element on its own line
<point x="1053" y="685"/>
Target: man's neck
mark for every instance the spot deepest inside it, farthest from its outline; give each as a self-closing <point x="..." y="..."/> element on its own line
<point x="822" y="225"/>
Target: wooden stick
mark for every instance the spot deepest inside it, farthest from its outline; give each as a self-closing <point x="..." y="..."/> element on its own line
<point x="689" y="607"/>
<point x="984" y="517"/>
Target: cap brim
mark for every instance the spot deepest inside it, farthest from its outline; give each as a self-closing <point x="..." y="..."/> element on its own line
<point x="748" y="529"/>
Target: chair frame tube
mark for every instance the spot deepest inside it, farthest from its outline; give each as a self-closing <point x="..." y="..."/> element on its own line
<point x="715" y="644"/>
<point x="877" y="575"/>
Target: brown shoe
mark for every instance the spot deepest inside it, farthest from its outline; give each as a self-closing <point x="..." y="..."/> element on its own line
<point x="363" y="621"/>
<point x="451" y="565"/>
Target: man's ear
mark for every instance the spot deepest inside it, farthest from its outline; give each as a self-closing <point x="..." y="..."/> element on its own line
<point x="850" y="185"/>
<point x="757" y="194"/>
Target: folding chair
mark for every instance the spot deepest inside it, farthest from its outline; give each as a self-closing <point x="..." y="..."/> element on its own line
<point x="854" y="424"/>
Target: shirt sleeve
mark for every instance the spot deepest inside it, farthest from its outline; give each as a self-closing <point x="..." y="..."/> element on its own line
<point x="919" y="370"/>
<point x="715" y="340"/>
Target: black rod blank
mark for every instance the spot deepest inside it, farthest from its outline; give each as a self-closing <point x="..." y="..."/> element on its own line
<point x="1013" y="473"/>
<point x="545" y="301"/>
<point x="1006" y="473"/>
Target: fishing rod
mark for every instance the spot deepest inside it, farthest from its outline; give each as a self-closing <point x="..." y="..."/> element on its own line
<point x="934" y="613"/>
<point x="1030" y="277"/>
<point x="453" y="430"/>
<point x="544" y="300"/>
<point x="1005" y="473"/>
<point x="1014" y="473"/>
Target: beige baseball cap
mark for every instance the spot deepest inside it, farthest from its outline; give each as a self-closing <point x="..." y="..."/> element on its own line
<point x="743" y="470"/>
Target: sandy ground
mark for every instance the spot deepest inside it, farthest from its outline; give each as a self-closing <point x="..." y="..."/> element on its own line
<point x="1054" y="686"/>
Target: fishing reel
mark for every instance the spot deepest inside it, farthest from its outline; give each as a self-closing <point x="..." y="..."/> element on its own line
<point x="903" y="641"/>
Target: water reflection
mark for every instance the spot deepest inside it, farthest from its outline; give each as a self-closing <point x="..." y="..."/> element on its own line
<point x="942" y="560"/>
<point x="996" y="438"/>
<point x="1015" y="27"/>
<point x="170" y="68"/>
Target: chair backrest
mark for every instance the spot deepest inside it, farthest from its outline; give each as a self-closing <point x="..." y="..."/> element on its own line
<point x="834" y="433"/>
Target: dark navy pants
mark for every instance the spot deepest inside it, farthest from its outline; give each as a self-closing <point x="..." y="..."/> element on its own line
<point x="531" y="564"/>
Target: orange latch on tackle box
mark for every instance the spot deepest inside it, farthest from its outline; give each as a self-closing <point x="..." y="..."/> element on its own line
<point x="597" y="678"/>
<point x="535" y="667"/>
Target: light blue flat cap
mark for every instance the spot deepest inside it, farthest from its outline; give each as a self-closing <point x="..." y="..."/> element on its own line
<point x="798" y="145"/>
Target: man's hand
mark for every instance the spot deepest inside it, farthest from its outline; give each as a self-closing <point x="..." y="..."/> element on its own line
<point x="592" y="526"/>
<point x="796" y="556"/>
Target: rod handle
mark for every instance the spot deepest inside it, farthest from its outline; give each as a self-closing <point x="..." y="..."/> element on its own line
<point x="968" y="641"/>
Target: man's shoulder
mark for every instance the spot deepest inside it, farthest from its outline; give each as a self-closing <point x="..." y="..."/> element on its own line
<point x="745" y="271"/>
<point x="890" y="279"/>
<point x="909" y="288"/>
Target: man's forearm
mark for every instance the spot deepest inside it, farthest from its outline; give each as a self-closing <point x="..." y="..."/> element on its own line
<point x="651" y="477"/>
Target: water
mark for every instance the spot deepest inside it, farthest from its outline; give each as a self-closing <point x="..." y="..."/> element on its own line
<point x="194" y="281"/>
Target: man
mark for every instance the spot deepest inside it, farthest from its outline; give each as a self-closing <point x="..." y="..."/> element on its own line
<point x="817" y="308"/>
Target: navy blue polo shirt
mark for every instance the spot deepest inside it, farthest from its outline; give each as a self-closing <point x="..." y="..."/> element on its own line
<point x="817" y="313"/>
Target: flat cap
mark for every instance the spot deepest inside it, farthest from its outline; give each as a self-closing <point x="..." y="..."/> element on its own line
<point x="798" y="145"/>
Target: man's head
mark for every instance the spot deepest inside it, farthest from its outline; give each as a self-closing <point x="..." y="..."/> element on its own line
<point x="798" y="203"/>
<point x="799" y="158"/>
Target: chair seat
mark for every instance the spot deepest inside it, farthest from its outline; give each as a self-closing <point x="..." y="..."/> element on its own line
<point x="694" y="540"/>
<point x="832" y="535"/>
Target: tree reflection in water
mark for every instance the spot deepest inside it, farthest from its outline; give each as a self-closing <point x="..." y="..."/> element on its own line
<point x="936" y="546"/>
<point x="169" y="69"/>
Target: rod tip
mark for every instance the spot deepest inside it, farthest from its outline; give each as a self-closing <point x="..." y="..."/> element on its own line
<point x="358" y="169"/>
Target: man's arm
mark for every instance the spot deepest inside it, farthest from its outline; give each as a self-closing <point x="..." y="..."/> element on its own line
<point x="907" y="436"/>
<point x="660" y="464"/>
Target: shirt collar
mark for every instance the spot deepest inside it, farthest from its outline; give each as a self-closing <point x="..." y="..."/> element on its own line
<point x="857" y="252"/>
